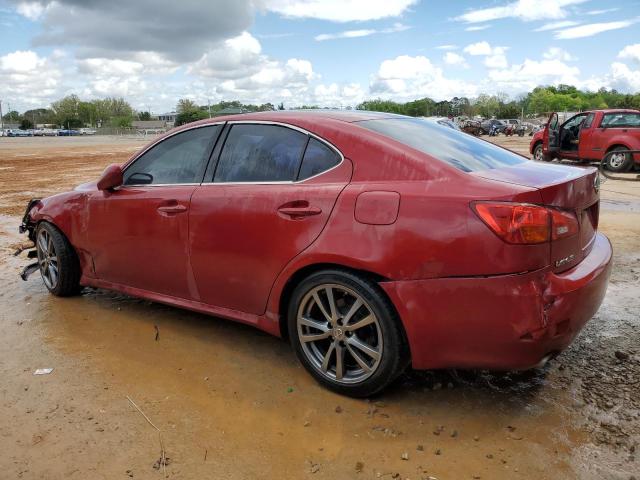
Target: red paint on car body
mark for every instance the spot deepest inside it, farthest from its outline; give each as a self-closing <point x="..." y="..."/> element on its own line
<point x="465" y="297"/>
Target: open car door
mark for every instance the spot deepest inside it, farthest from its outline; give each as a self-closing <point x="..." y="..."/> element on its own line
<point x="551" y="135"/>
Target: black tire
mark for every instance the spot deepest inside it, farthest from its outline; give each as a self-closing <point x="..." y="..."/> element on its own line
<point x="621" y="162"/>
<point x="394" y="356"/>
<point x="539" y="155"/>
<point x="67" y="277"/>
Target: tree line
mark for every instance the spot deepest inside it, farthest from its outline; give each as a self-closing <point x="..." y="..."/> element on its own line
<point x="72" y="112"/>
<point x="540" y="101"/>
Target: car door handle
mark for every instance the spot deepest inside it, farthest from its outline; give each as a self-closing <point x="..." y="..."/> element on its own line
<point x="172" y="208"/>
<point x="299" y="212"/>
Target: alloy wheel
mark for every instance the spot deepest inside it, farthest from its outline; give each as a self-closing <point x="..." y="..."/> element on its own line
<point x="47" y="259"/>
<point x="339" y="333"/>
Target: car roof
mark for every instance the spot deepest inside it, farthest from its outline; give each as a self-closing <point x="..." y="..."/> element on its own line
<point x="614" y="110"/>
<point x="313" y="115"/>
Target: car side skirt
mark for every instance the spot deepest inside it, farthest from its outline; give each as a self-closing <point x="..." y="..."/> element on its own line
<point x="258" y="321"/>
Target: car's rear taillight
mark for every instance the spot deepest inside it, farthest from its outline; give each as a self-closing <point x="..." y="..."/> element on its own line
<point x="563" y="224"/>
<point x="526" y="224"/>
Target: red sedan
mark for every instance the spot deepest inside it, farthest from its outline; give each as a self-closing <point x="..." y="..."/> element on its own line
<point x="370" y="241"/>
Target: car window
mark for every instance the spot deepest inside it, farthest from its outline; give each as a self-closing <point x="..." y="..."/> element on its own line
<point x="260" y="153"/>
<point x="572" y="122"/>
<point x="180" y="158"/>
<point x="318" y="158"/>
<point x="620" y="120"/>
<point x="457" y="148"/>
<point x="587" y="123"/>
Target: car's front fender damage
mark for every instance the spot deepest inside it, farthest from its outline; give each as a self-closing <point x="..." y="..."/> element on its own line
<point x="28" y="226"/>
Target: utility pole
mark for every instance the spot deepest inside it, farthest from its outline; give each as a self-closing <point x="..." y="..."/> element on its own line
<point x="1" y="119"/>
<point x="209" y="107"/>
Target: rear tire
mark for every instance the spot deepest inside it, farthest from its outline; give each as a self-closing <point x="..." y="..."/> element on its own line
<point x="59" y="265"/>
<point x="619" y="162"/>
<point x="354" y="322"/>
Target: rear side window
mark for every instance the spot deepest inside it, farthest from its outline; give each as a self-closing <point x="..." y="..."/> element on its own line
<point x="180" y="158"/>
<point x="318" y="158"/>
<point x="260" y="153"/>
<point x="457" y="148"/>
<point x="613" y="120"/>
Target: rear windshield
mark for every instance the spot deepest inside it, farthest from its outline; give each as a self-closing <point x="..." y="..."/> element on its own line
<point x="459" y="149"/>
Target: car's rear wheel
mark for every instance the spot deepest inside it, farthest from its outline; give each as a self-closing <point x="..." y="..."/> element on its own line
<point x="619" y="160"/>
<point x="58" y="261"/>
<point x="539" y="155"/>
<point x="346" y="333"/>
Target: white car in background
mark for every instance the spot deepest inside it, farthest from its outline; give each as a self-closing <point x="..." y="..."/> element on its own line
<point x="87" y="131"/>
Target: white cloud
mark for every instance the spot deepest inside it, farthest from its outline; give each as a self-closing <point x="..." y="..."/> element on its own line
<point x="339" y="10"/>
<point x="31" y="10"/>
<point x="497" y="60"/>
<point x="239" y="56"/>
<point x="531" y="73"/>
<point x="21" y="61"/>
<point x="406" y="77"/>
<point x="631" y="51"/>
<point x="477" y="28"/>
<point x="555" y="53"/>
<point x="556" y="25"/>
<point x="591" y="29"/>
<point x="28" y="78"/>
<point x="397" y="27"/>
<point x="600" y="12"/>
<point x="452" y="58"/>
<point x="623" y="78"/>
<point x="526" y="10"/>
<point x="495" y="56"/>
<point x="478" y="48"/>
<point x="446" y="47"/>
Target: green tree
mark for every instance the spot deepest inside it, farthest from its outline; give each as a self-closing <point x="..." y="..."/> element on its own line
<point x="26" y="124"/>
<point x="144" y="115"/>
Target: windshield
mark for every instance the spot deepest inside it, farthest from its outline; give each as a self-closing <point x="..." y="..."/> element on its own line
<point x="457" y="148"/>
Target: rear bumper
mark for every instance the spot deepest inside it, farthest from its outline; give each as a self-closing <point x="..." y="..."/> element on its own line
<point x="504" y="322"/>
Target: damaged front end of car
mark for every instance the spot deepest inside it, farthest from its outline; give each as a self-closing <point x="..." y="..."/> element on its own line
<point x="29" y="227"/>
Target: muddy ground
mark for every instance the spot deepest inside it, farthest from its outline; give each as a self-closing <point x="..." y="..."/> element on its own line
<point x="232" y="402"/>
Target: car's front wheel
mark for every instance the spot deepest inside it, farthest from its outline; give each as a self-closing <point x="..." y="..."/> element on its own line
<point x="346" y="333"/>
<point x="539" y="155"/>
<point x="58" y="261"/>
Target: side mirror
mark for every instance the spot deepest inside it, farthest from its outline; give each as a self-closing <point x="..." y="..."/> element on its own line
<point x="111" y="177"/>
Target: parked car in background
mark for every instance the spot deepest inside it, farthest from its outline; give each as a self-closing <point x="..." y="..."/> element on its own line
<point x="19" y="133"/>
<point x="67" y="132"/>
<point x="370" y="241"/>
<point x="588" y="136"/>
<point x="50" y="132"/>
<point x="38" y="132"/>
<point x="487" y="125"/>
<point x="87" y="131"/>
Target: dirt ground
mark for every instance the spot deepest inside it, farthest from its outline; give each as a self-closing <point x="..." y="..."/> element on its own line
<point x="232" y="402"/>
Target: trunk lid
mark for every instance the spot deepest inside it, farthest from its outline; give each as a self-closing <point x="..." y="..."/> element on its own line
<point x="574" y="189"/>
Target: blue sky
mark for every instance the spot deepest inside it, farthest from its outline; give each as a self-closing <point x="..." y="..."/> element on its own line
<point x="326" y="52"/>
